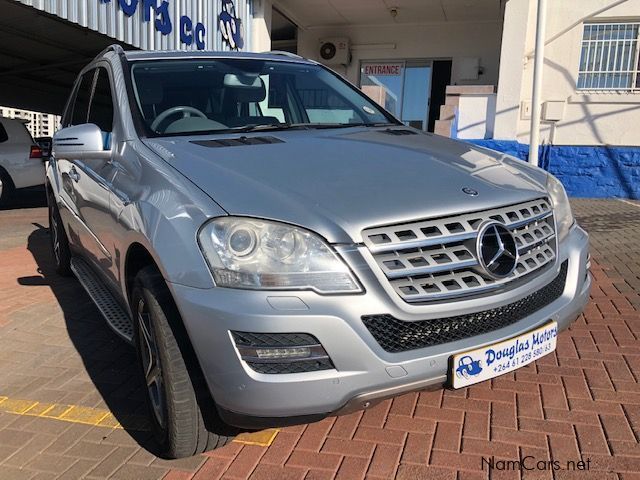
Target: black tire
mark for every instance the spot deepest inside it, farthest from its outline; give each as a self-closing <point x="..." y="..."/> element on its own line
<point x="59" y="241"/>
<point x="175" y="399"/>
<point x="7" y="187"/>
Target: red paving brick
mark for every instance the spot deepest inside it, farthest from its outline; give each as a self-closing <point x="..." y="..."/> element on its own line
<point x="581" y="402"/>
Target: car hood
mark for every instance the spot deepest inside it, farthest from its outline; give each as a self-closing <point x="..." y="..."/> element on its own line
<point x="339" y="182"/>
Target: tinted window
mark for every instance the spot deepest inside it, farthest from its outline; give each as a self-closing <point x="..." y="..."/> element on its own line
<point x="101" y="110"/>
<point x="81" y="105"/>
<point x="3" y="134"/>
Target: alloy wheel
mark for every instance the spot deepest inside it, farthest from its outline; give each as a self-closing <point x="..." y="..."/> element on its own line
<point x="55" y="234"/>
<point x="151" y="363"/>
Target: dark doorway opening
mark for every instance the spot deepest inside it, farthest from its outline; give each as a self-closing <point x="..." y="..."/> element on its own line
<point x="440" y="79"/>
<point x="284" y="33"/>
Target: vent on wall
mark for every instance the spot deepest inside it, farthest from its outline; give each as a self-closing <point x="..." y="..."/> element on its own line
<point x="237" y="142"/>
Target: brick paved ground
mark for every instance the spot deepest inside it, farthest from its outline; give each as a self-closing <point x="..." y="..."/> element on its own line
<point x="582" y="401"/>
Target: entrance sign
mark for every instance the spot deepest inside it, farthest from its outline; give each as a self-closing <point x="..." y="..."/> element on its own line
<point x="383" y="69"/>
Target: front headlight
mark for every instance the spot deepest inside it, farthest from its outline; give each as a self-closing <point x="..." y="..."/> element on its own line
<point x="561" y="206"/>
<point x="265" y="255"/>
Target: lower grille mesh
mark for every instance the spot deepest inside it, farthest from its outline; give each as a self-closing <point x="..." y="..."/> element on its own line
<point x="273" y="339"/>
<point x="395" y="335"/>
<point x="302" y="366"/>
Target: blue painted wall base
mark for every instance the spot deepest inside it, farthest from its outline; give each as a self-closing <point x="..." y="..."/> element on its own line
<point x="593" y="172"/>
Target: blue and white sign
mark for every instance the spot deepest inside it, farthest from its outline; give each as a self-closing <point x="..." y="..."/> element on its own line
<point x="231" y="26"/>
<point x="158" y="11"/>
<point x="489" y="362"/>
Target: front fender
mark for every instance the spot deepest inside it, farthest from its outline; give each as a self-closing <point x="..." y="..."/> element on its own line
<point x="170" y="236"/>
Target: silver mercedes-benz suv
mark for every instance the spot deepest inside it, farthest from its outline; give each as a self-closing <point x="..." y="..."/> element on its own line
<point x="279" y="248"/>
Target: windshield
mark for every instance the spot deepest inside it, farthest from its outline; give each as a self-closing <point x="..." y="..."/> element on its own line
<point x="181" y="97"/>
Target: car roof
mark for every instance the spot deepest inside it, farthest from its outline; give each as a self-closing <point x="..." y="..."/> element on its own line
<point x="135" y="55"/>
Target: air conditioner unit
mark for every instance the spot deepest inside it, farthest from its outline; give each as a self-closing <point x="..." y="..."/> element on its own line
<point x="335" y="51"/>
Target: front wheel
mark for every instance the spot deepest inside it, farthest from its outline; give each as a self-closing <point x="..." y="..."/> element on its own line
<point x="176" y="416"/>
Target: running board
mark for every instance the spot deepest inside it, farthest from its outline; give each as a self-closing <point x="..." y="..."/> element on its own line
<point x="113" y="313"/>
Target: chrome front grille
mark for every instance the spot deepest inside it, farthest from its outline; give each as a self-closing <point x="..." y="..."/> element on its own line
<point x="437" y="259"/>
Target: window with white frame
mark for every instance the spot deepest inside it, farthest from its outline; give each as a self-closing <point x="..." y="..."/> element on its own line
<point x="610" y="57"/>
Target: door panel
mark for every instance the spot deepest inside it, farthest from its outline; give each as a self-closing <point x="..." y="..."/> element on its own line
<point x="416" y="95"/>
<point x="92" y="202"/>
<point x="401" y="87"/>
<point x="93" y="188"/>
<point x="76" y="114"/>
<point x="69" y="211"/>
<point x="86" y="181"/>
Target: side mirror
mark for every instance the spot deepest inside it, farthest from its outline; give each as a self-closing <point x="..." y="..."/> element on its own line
<point x="81" y="142"/>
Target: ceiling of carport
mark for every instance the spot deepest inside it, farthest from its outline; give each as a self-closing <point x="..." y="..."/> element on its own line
<point x="320" y="13"/>
<point x="40" y="57"/>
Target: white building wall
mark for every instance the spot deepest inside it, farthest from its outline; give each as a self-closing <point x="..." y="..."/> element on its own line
<point x="439" y="41"/>
<point x="590" y="118"/>
<point x="261" y="25"/>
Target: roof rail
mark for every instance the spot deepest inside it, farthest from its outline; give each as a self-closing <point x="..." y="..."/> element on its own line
<point x="285" y="54"/>
<point x="112" y="48"/>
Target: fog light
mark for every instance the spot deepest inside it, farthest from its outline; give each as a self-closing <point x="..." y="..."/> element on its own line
<point x="278" y="353"/>
<point x="288" y="352"/>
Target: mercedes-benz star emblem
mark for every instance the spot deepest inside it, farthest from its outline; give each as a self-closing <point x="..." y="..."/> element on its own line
<point x="470" y="191"/>
<point x="497" y="250"/>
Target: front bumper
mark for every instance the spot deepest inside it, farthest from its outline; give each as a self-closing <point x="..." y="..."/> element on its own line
<point x="364" y="372"/>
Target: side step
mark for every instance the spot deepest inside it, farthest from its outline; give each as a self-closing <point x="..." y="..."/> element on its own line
<point x="114" y="314"/>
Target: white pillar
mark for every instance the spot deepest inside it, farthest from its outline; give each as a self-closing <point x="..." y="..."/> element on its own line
<point x="538" y="67"/>
<point x="261" y="26"/>
<point x="510" y="83"/>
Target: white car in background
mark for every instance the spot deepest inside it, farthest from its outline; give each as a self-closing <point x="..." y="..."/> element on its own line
<point x="20" y="158"/>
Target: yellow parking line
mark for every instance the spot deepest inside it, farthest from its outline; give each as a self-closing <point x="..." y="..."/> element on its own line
<point x="65" y="413"/>
<point x="100" y="417"/>
<point x="263" y="438"/>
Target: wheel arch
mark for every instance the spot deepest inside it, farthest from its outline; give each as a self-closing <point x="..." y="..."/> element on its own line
<point x="137" y="258"/>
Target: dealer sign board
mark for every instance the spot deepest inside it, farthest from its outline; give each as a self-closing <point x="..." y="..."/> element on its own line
<point x="191" y="31"/>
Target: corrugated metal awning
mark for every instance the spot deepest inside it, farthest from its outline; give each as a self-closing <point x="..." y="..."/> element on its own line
<point x="44" y="43"/>
<point x="40" y="57"/>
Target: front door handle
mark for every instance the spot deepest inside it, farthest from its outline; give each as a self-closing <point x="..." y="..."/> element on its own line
<point x="74" y="175"/>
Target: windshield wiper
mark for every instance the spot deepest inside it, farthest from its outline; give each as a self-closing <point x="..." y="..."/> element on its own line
<point x="257" y="127"/>
<point x="350" y="125"/>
